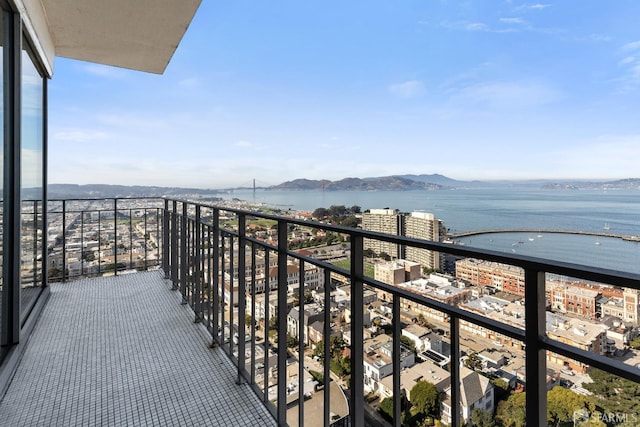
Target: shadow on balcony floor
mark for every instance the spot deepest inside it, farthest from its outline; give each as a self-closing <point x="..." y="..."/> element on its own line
<point x="123" y="351"/>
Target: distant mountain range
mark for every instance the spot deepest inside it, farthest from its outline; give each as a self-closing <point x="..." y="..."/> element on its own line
<point x="389" y="183"/>
<point x="74" y="191"/>
<point x="385" y="183"/>
<point x="441" y="182"/>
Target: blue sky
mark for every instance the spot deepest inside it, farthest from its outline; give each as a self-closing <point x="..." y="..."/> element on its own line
<point x="333" y="89"/>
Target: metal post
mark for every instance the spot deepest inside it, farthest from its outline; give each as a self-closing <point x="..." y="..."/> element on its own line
<point x="64" y="241"/>
<point x="253" y="313"/>
<point x="174" y="246"/>
<point x="198" y="269"/>
<point x="397" y="361"/>
<point x="216" y="273"/>
<point x="535" y="360"/>
<point x="115" y="236"/>
<point x="183" y="253"/>
<point x="454" y="369"/>
<point x="301" y="341"/>
<point x="282" y="322"/>
<point x="326" y="351"/>
<point x="242" y="295"/>
<point x="357" y="320"/>
<point x="267" y="329"/>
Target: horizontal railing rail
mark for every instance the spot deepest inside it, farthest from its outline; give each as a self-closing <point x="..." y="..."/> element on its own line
<point x="207" y="261"/>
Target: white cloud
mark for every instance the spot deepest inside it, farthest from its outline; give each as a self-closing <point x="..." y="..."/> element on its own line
<point x="79" y="135"/>
<point x="505" y="95"/>
<point x="629" y="47"/>
<point x="631" y="66"/>
<point x="243" y="144"/>
<point x="518" y="21"/>
<point x="408" y="89"/>
<point x="539" y="6"/>
<point x="189" y="83"/>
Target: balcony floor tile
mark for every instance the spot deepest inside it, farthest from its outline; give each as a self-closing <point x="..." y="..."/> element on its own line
<point x="123" y="351"/>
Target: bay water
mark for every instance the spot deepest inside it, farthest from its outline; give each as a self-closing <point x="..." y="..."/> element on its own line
<point x="611" y="211"/>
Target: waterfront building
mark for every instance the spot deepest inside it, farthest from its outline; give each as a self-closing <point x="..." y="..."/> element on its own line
<point x="383" y="221"/>
<point x="422" y="225"/>
<point x="574" y="300"/>
<point x="419" y="225"/>
<point x="502" y="277"/>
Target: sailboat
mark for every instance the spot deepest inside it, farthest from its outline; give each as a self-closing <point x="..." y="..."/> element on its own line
<point x="597" y="241"/>
<point x="606" y="226"/>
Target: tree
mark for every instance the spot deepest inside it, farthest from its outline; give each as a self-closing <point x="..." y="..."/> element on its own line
<point x="473" y="362"/>
<point x="512" y="412"/>
<point x="292" y="341"/>
<point x="562" y="403"/>
<point x="635" y="343"/>
<point x="425" y="398"/>
<point x="386" y="407"/>
<point x="612" y="393"/>
<point x="355" y="209"/>
<point x="248" y="319"/>
<point x="482" y="418"/>
<point x="320" y="213"/>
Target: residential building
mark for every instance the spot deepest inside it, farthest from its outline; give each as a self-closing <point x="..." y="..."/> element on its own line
<point x="476" y="391"/>
<point x="422" y="225"/>
<point x="502" y="277"/>
<point x="383" y="221"/>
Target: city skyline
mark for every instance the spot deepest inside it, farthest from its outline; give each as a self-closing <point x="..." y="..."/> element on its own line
<point x="332" y="90"/>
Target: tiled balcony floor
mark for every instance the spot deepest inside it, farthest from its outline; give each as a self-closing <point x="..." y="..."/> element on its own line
<point x="124" y="351"/>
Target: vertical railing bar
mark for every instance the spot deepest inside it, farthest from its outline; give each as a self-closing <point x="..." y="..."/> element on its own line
<point x="99" y="241"/>
<point x="64" y="241"/>
<point x="357" y="320"/>
<point x="131" y="238"/>
<point x="232" y="283"/>
<point x="535" y="360"/>
<point x="146" y="239"/>
<point x="174" y="246"/>
<point x="397" y="361"/>
<point x="454" y="367"/>
<point x="82" y="255"/>
<point x="158" y="243"/>
<point x="209" y="265"/>
<point x="198" y="261"/>
<point x="301" y="342"/>
<point x="216" y="274"/>
<point x="223" y="239"/>
<point x="242" y="294"/>
<point x="165" y="239"/>
<point x="282" y="322"/>
<point x="183" y="253"/>
<point x="267" y="329"/>
<point x="326" y="351"/>
<point x="253" y="313"/>
<point x="115" y="236"/>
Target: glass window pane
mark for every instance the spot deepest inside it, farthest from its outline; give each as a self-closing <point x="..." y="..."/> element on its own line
<point x="32" y="179"/>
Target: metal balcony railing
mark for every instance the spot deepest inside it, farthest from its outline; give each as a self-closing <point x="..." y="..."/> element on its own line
<point x="234" y="280"/>
<point x="92" y="237"/>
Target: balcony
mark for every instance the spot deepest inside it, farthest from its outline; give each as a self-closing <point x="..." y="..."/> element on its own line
<point x="133" y="348"/>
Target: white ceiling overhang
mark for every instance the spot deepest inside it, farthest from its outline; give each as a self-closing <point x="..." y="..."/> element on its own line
<point x="135" y="34"/>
